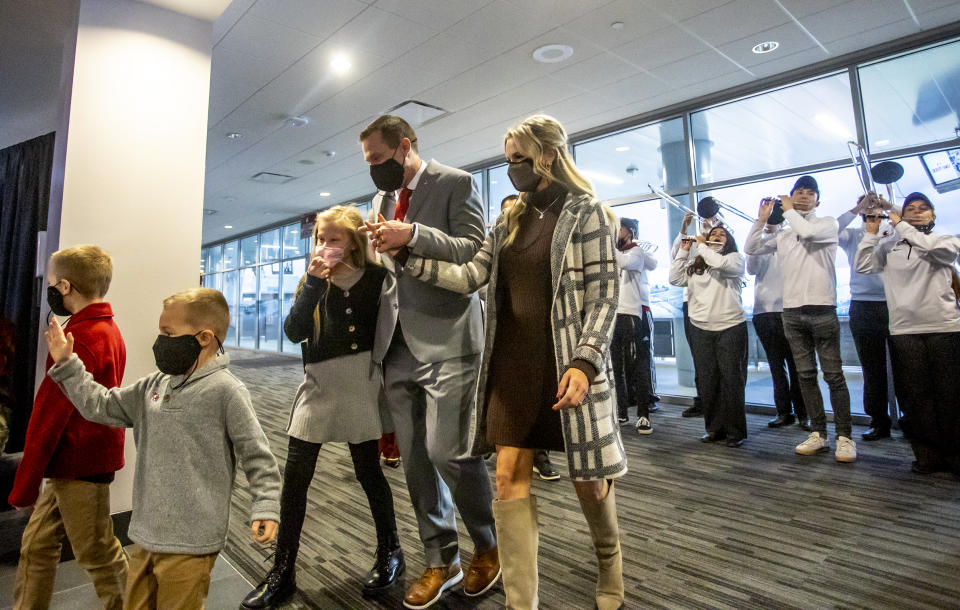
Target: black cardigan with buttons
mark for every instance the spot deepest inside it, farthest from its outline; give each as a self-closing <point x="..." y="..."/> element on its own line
<point x="348" y="318"/>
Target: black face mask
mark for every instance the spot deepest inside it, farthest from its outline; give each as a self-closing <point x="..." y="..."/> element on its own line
<point x="522" y="175"/>
<point x="55" y="301"/>
<point x="175" y="355"/>
<point x="388" y="176"/>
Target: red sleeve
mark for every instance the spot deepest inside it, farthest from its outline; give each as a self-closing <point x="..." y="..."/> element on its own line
<point x="51" y="413"/>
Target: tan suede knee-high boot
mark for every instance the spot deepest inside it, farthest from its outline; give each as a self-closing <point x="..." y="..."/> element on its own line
<point x="602" y="519"/>
<point x="518" y="539"/>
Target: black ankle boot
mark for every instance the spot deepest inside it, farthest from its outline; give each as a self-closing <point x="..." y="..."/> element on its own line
<point x="388" y="567"/>
<point x="277" y="587"/>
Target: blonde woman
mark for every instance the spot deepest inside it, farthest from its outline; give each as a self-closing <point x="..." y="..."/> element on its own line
<point x="335" y="312"/>
<point x="550" y="269"/>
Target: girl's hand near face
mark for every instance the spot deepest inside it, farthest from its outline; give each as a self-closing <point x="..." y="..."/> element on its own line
<point x="318" y="268"/>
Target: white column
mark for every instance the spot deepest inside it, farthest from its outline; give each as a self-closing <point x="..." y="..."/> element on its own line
<point x="134" y="168"/>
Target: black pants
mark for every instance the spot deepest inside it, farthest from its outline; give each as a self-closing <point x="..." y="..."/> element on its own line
<point x="870" y="327"/>
<point x="630" y="350"/>
<point x="721" y="361"/>
<point x="697" y="403"/>
<point x="297" y="474"/>
<point x="926" y="368"/>
<point x="786" y="392"/>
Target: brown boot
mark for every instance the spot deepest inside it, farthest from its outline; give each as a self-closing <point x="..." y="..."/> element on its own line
<point x="483" y="573"/>
<point x="430" y="586"/>
<point x="602" y="520"/>
<point x="518" y="538"/>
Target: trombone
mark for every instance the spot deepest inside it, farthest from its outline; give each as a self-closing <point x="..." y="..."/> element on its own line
<point x="859" y="157"/>
<point x="685" y="209"/>
<point x="735" y="211"/>
<point x="885" y="173"/>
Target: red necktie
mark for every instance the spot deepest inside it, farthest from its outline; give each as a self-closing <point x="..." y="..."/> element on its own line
<point x="402" y="204"/>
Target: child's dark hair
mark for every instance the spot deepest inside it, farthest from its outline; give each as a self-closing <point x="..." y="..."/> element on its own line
<point x="699" y="265"/>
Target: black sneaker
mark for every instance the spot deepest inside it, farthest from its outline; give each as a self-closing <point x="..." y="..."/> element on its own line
<point x="693" y="411"/>
<point x="543" y="467"/>
<point x="643" y="426"/>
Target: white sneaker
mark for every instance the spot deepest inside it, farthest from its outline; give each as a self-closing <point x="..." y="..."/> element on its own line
<point x="814" y="444"/>
<point x="643" y="426"/>
<point x="846" y="450"/>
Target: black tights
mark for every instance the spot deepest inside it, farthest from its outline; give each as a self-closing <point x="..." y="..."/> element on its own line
<point x="297" y="474"/>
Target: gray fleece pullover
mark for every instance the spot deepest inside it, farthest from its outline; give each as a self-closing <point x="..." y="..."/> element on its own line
<point x="187" y="441"/>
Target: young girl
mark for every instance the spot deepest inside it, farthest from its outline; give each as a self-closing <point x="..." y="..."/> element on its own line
<point x="919" y="281"/>
<point x="718" y="331"/>
<point x="335" y="312"/>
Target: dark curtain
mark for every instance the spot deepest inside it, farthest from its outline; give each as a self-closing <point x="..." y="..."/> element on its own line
<point x="25" y="171"/>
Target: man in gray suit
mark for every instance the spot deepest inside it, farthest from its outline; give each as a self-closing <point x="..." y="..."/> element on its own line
<point x="429" y="341"/>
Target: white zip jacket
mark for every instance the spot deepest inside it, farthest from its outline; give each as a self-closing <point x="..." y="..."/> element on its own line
<point x="714" y="302"/>
<point x="634" y="284"/>
<point x="916" y="277"/>
<point x="807" y="250"/>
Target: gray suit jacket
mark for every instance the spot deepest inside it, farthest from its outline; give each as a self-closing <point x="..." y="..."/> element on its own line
<point x="436" y="324"/>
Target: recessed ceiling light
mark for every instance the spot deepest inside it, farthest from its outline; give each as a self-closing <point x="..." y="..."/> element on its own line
<point x="552" y="53"/>
<point x="766" y="47"/>
<point x="297" y="121"/>
<point x="233" y="135"/>
<point x="340" y="63"/>
<point x="227" y="226"/>
<point x="622" y="148"/>
<point x="324" y="194"/>
<point x="616" y="25"/>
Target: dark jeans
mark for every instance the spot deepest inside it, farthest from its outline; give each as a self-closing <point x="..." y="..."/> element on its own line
<point x="926" y="368"/>
<point x="630" y="351"/>
<point x="815" y="332"/>
<point x="870" y="327"/>
<point x="697" y="403"/>
<point x="786" y="392"/>
<point x="721" y="361"/>
<point x="297" y="474"/>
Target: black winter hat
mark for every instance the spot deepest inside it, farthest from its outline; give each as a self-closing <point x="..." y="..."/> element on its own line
<point x="806" y="182"/>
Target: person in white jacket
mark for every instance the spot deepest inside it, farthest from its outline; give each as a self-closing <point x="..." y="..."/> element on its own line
<point x="633" y="330"/>
<point x="714" y="279"/>
<point x="922" y="290"/>
<point x="807" y="252"/>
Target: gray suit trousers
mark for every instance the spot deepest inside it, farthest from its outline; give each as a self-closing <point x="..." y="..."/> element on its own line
<point x="432" y="405"/>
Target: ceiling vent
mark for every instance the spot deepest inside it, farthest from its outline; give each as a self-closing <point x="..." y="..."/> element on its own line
<point x="417" y="113"/>
<point x="271" y="178"/>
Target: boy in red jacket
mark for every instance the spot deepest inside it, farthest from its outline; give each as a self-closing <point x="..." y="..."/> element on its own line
<point x="77" y="457"/>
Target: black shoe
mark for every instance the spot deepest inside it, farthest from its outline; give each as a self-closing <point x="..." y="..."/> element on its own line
<point x="804" y="425"/>
<point x="623" y="418"/>
<point x="781" y="420"/>
<point x="388" y="567"/>
<point x="693" y="411"/>
<point x="654" y="407"/>
<point x="543" y="467"/>
<point x="712" y="437"/>
<point x="279" y="584"/>
<point x="919" y="468"/>
<point x="734" y="442"/>
<point x="875" y="434"/>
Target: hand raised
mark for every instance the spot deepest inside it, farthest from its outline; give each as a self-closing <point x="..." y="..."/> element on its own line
<point x="60" y="346"/>
<point x="766" y="209"/>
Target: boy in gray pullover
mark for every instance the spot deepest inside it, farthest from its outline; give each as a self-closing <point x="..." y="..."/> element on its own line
<point x="190" y="421"/>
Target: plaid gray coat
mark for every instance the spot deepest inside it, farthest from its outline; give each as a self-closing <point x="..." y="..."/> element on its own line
<point x="586" y="286"/>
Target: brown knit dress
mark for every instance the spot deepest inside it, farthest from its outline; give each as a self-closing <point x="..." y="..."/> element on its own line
<point x="522" y="382"/>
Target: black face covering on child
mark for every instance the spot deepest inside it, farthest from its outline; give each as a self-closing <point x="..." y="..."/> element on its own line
<point x="175" y="355"/>
<point x="55" y="301"/>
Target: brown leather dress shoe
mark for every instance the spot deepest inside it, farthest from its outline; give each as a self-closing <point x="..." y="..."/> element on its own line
<point x="483" y="573"/>
<point x="430" y="586"/>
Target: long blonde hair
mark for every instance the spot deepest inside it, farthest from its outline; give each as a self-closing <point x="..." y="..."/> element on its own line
<point x="533" y="138"/>
<point x="348" y="219"/>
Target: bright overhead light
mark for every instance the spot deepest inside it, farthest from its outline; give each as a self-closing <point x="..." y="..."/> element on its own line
<point x="324" y="194"/>
<point x="552" y="53"/>
<point x="233" y="135"/>
<point x="598" y="177"/>
<point x="493" y="182"/>
<point x="622" y="148"/>
<point x="881" y="142"/>
<point x="227" y="226"/>
<point x="340" y="63"/>
<point x="766" y="47"/>
<point x="832" y="124"/>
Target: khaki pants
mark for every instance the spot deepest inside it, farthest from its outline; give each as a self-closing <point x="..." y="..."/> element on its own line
<point x="168" y="581"/>
<point x="79" y="511"/>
